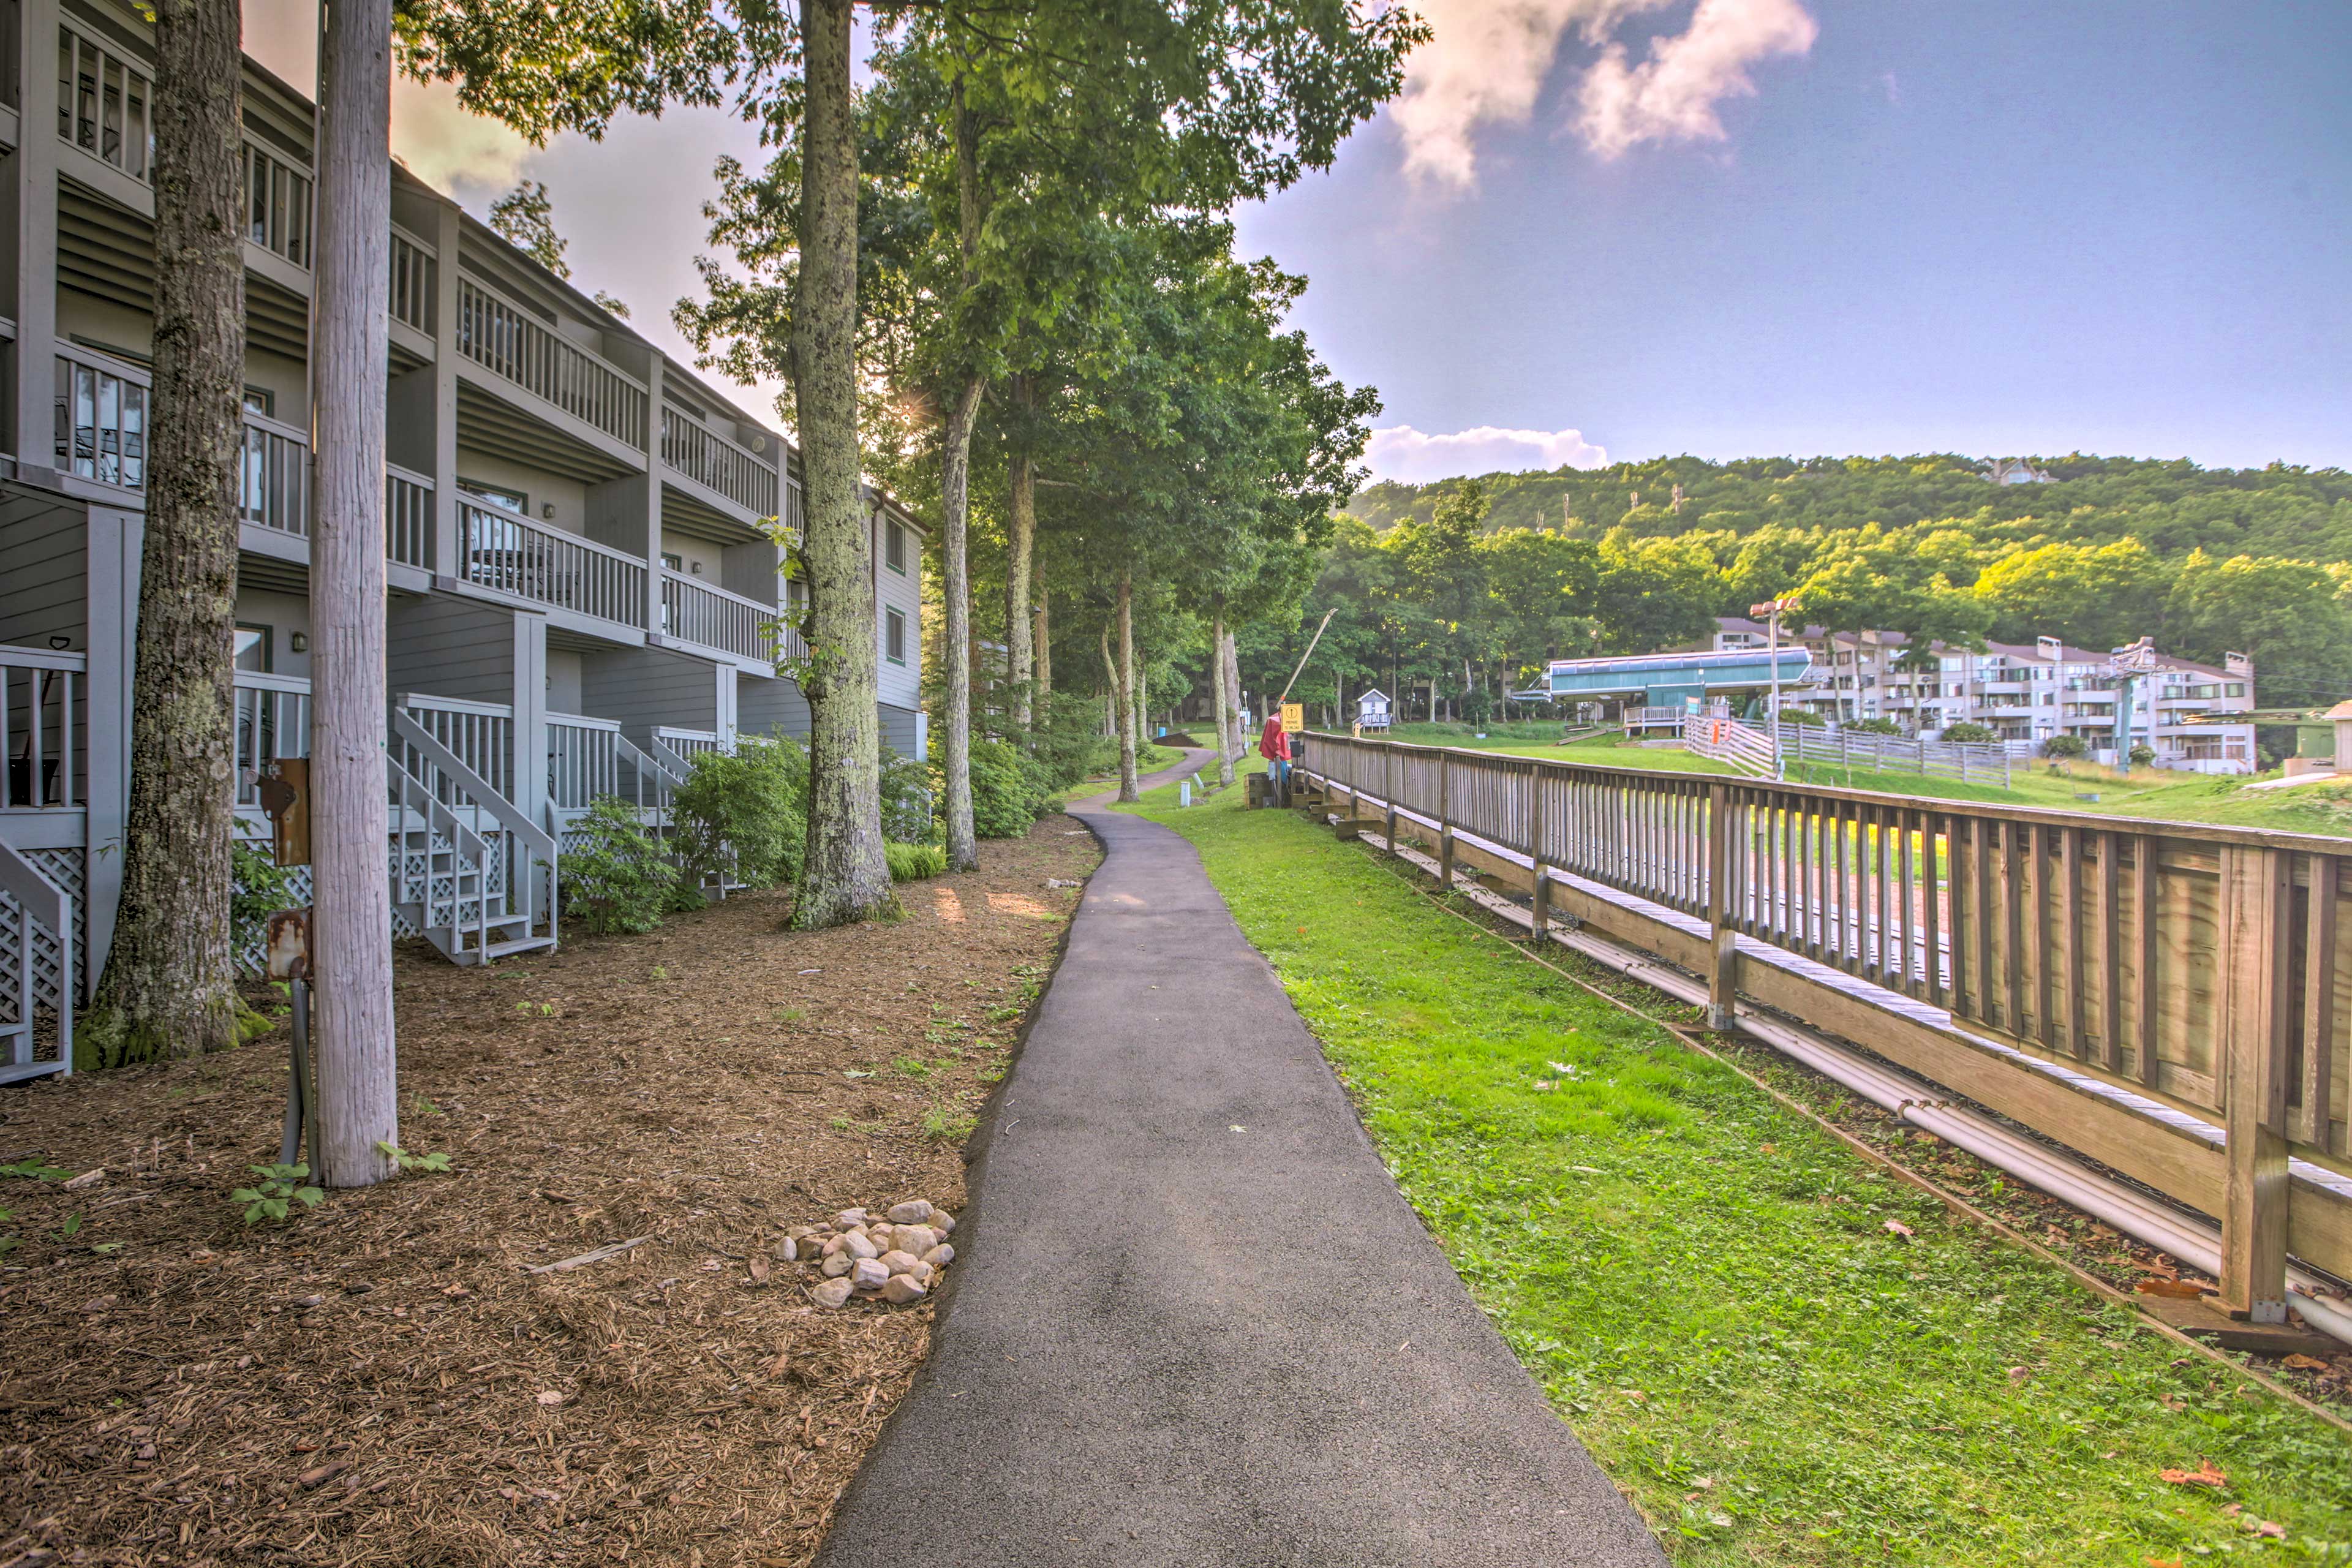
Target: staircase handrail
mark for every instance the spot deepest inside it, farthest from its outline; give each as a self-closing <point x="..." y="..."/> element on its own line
<point x="535" y="840"/>
<point x="411" y="793"/>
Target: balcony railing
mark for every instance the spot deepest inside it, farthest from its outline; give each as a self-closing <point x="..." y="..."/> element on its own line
<point x="412" y="281"/>
<point x="101" y="425"/>
<point x="511" y="554"/>
<point x="480" y="734"/>
<point x="273" y="721"/>
<point x="698" y="612"/>
<point x="105" y="105"/>
<point x="277" y="205"/>
<point x="43" y="712"/>
<point x="407" y="517"/>
<point x="273" y="476"/>
<point x="691" y="448"/>
<point x="503" y="338"/>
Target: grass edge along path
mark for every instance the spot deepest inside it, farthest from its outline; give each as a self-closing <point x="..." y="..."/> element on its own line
<point x="1781" y="1353"/>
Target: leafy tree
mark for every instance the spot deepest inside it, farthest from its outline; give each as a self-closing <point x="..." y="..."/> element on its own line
<point x="2095" y="596"/>
<point x="525" y="219"/>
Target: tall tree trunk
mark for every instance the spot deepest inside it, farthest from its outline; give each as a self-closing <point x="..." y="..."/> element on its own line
<point x="1236" y="741"/>
<point x="1142" y="705"/>
<point x="955" y="591"/>
<point x="843" y="876"/>
<point x="1220" y="704"/>
<point x="170" y="985"/>
<point x="359" y="1099"/>
<point x="1044" y="647"/>
<point x="1022" y="658"/>
<point x="1110" y="688"/>
<point x="1123" y="685"/>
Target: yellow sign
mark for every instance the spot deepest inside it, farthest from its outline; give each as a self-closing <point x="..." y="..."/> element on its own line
<point x="1294" y="717"/>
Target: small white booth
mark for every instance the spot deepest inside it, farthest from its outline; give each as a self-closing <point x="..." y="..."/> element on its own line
<point x="1372" y="711"/>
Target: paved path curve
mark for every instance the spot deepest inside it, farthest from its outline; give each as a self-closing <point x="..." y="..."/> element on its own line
<point x="1192" y="1322"/>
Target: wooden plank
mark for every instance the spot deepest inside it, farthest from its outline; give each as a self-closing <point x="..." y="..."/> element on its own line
<point x="2315" y="1079"/>
<point x="1724" y="957"/>
<point x="2144" y="910"/>
<point x="2255" y="890"/>
<point x="2111" y="953"/>
<point x="2067" y="960"/>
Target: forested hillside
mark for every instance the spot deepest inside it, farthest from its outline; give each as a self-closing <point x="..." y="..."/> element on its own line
<point x="1474" y="582"/>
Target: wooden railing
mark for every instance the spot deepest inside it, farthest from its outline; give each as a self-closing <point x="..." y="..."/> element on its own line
<point x="412" y="280"/>
<point x="273" y="721"/>
<point x="102" y="418"/>
<point x="44" y="710"/>
<point x="2204" y="968"/>
<point x="1846" y="747"/>
<point x="105" y="104"/>
<point x="502" y="337"/>
<point x="277" y="205"/>
<point x="510" y="553"/>
<point x="273" y="474"/>
<point x="407" y="516"/>
<point x="583" y="761"/>
<point x="713" y="617"/>
<point x="480" y="735"/>
<point x="702" y="454"/>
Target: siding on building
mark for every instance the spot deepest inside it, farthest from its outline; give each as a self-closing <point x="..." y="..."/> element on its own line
<point x="762" y="706"/>
<point x="45" y="571"/>
<point x="643" y="688"/>
<point x="445" y="645"/>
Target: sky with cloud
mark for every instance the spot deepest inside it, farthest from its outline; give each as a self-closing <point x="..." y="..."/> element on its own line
<point x="1612" y="228"/>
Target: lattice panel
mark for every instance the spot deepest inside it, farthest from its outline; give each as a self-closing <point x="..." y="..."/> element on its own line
<point x="64" y="867"/>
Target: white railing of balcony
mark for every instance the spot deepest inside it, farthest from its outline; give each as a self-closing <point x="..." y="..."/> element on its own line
<point x="105" y="104"/>
<point x="685" y="745"/>
<point x="501" y="550"/>
<point x="277" y="205"/>
<point x="503" y="338"/>
<point x="713" y="617"/>
<point x="711" y="459"/>
<point x="480" y="734"/>
<point x="101" y="423"/>
<point x="43" y="713"/>
<point x="273" y="721"/>
<point x="412" y="280"/>
<point x="407" y="516"/>
<point x="583" y="762"/>
<point x="273" y="474"/>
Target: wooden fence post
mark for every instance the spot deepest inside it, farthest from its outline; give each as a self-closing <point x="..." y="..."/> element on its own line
<point x="1539" y="893"/>
<point x="1389" y="794"/>
<point x="2253" y="992"/>
<point x="1444" y="821"/>
<point x="1723" y="971"/>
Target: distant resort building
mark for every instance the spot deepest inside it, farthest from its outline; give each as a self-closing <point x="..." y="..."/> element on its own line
<point x="2026" y="693"/>
<point x="2015" y="471"/>
<point x="1656" y="690"/>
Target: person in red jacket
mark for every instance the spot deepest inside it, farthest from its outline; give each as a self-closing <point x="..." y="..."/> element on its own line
<point x="1273" y="745"/>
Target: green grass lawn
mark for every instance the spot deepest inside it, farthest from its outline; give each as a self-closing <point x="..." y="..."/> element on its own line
<point x="2148" y="794"/>
<point x="1713" y="1294"/>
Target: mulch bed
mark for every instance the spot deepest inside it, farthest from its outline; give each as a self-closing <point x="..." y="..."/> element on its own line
<point x="379" y="1379"/>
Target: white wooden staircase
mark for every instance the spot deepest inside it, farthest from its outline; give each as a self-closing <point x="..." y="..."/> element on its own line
<point x="469" y="869"/>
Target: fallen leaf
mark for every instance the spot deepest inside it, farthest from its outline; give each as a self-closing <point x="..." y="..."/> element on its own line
<point x="2302" y="1362"/>
<point x="2275" y="1531"/>
<point x="549" y="1396"/>
<point x="759" y="1269"/>
<point x="2204" y="1474"/>
<point x="311" y="1479"/>
<point x="2180" y="1289"/>
<point x="2164" y="1562"/>
<point x="88" y="1178"/>
<point x="1896" y="1227"/>
<point x="2019" y="1374"/>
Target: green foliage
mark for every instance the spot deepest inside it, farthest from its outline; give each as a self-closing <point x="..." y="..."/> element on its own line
<point x="1874" y="727"/>
<point x="914" y="862"/>
<point x="259" y="887"/>
<point x="525" y="218"/>
<point x="1010" y="790"/>
<point x="743" y="814"/>
<point x="434" y="1162"/>
<point x="35" y="1168"/>
<point x="1969" y="733"/>
<point x="1804" y="716"/>
<point x="275" y="1189"/>
<point x="2142" y="754"/>
<point x="620" y="879"/>
<point x="2066" y="747"/>
<point x="906" y="802"/>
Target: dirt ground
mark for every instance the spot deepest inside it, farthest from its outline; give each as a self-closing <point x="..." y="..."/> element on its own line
<point x="380" y="1380"/>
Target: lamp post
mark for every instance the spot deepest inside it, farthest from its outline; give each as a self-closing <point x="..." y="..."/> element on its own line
<point x="1769" y="613"/>
<point x="2126" y="663"/>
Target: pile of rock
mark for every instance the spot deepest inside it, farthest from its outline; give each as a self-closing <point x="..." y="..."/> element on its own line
<point x="896" y="1259"/>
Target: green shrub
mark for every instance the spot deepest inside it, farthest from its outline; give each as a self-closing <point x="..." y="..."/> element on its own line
<point x="743" y="814"/>
<point x="1066" y="741"/>
<point x="2143" y="754"/>
<point x="1010" y="790"/>
<point x="913" y="862"/>
<point x="1967" y="733"/>
<point x="620" y="879"/>
<point x="1875" y="727"/>
<point x="259" y="887"/>
<point x="2066" y="747"/>
<point x="1801" y="716"/>
<point x="907" y="814"/>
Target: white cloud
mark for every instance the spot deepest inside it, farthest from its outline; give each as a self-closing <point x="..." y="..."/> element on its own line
<point x="450" y="148"/>
<point x="1486" y="62"/>
<point x="1401" y="452"/>
<point x="1671" y="96"/>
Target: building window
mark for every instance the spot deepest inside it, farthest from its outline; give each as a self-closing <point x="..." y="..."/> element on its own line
<point x="672" y="560"/>
<point x="259" y="400"/>
<point x="252" y="647"/>
<point x="498" y="495"/>
<point x="894" y="635"/>
<point x="894" y="547"/>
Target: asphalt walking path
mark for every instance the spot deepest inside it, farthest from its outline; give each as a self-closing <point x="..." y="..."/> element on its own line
<point x="1192" y="1321"/>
